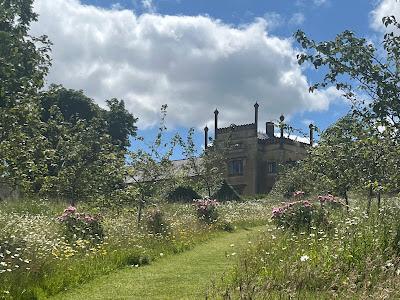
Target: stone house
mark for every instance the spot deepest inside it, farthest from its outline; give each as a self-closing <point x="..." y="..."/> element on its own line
<point x="253" y="156"/>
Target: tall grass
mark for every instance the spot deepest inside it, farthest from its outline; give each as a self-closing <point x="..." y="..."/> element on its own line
<point x="37" y="260"/>
<point x="359" y="257"/>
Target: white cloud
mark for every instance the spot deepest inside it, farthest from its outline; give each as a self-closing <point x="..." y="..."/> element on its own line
<point x="273" y="20"/>
<point x="383" y="9"/>
<point x="149" y="6"/>
<point x="117" y="6"/>
<point x="193" y="64"/>
<point x="307" y="122"/>
<point x="297" y="19"/>
<point x="312" y="2"/>
<point x="320" y="2"/>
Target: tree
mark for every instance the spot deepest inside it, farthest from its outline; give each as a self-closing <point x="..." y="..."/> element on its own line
<point x="336" y="156"/>
<point x="24" y="62"/>
<point x="207" y="169"/>
<point x="82" y="161"/>
<point x="370" y="81"/>
<point x="120" y="123"/>
<point x="353" y="65"/>
<point x="150" y="169"/>
<point x="74" y="105"/>
<point x="86" y="145"/>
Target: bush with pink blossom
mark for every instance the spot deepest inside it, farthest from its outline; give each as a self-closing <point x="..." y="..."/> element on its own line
<point x="300" y="215"/>
<point x="331" y="201"/>
<point x="206" y="210"/>
<point x="81" y="225"/>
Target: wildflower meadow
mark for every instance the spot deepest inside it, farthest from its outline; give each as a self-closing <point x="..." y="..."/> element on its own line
<point x="355" y="257"/>
<point x="47" y="247"/>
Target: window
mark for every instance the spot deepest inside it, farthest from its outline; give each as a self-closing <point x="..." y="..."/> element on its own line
<point x="271" y="167"/>
<point x="235" y="167"/>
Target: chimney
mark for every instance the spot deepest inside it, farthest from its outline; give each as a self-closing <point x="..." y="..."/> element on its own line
<point x="311" y="126"/>
<point x="256" y="115"/>
<point x="269" y="129"/>
<point x="216" y="112"/>
<point x="205" y="137"/>
<point x="282" y="118"/>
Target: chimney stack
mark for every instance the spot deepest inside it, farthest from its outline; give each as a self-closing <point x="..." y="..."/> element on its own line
<point x="205" y="137"/>
<point x="216" y="112"/>
<point x="256" y="115"/>
<point x="311" y="126"/>
<point x="269" y="129"/>
<point x="282" y="118"/>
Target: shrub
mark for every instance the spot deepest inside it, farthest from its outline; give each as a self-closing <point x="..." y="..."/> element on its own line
<point x="300" y="215"/>
<point x="298" y="195"/>
<point x="81" y="226"/>
<point x="182" y="194"/>
<point x="330" y="201"/>
<point x="206" y="210"/>
<point x="156" y="222"/>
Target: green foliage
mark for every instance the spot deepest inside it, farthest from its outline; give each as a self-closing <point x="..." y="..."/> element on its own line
<point x="83" y="158"/>
<point x="306" y="215"/>
<point x="356" y="259"/>
<point x="361" y="150"/>
<point x="207" y="168"/>
<point x="227" y="226"/>
<point x="355" y="64"/>
<point x="81" y="226"/>
<point x="156" y="222"/>
<point x="58" y="143"/>
<point x="351" y="155"/>
<point x="43" y="262"/>
<point x="72" y="105"/>
<point x="24" y="62"/>
<point x="292" y="178"/>
<point x="295" y="215"/>
<point x="120" y="123"/>
<point x="182" y="194"/>
<point x="150" y="168"/>
<point x="206" y="210"/>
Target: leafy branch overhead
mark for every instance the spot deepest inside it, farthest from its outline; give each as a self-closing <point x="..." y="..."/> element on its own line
<point x="354" y="66"/>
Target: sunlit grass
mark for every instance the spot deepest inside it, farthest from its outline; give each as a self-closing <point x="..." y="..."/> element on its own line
<point x="37" y="260"/>
<point x="183" y="276"/>
<point x="357" y="258"/>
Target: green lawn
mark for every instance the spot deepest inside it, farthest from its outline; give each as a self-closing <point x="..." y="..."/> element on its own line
<point x="182" y="276"/>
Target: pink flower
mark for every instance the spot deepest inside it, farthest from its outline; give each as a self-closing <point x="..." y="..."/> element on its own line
<point x="70" y="210"/>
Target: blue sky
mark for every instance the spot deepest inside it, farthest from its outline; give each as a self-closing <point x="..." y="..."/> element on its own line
<point x="151" y="52"/>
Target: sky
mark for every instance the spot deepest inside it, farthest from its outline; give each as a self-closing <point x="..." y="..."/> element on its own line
<point x="199" y="55"/>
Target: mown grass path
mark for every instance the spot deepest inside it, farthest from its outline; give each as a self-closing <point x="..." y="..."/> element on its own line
<point x="181" y="276"/>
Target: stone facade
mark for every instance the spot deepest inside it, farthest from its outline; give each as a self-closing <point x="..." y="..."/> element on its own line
<point x="253" y="157"/>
